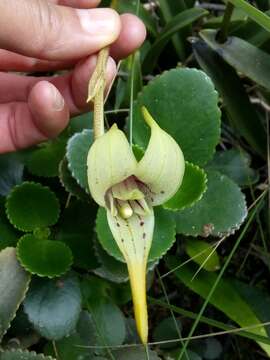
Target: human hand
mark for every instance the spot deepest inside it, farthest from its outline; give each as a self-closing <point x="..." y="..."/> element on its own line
<point x="48" y="35"/>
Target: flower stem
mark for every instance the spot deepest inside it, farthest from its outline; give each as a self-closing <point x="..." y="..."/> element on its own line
<point x="96" y="90"/>
<point x="223" y="34"/>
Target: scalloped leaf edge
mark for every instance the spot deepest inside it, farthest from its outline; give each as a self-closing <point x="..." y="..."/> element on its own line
<point x="68" y="152"/>
<point x="233" y="228"/>
<point x="205" y="181"/>
<point x="37" y="185"/>
<point x="12" y="317"/>
<point x="36" y="273"/>
<point x="66" y="187"/>
<point x="31" y="353"/>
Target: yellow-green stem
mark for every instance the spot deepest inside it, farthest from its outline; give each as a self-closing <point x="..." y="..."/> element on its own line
<point x="96" y="90"/>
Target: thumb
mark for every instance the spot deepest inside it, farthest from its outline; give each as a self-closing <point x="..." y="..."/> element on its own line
<point x="41" y="29"/>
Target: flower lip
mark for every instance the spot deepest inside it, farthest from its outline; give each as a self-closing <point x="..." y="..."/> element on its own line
<point x="127" y="198"/>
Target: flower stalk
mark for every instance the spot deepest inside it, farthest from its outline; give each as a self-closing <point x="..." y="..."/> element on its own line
<point x="96" y="89"/>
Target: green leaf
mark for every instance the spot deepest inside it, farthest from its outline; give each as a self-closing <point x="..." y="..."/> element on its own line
<point x="75" y="346"/>
<point x="255" y="14"/>
<point x="69" y="183"/>
<point x="31" y="205"/>
<point x="225" y="298"/>
<point x="14" y="283"/>
<point x="110" y="268"/>
<point x="163" y="238"/>
<point x="79" y="123"/>
<point x="258" y="299"/>
<point x="216" y="213"/>
<point x="11" y="172"/>
<point x="77" y="151"/>
<point x="177" y="23"/>
<point x="166" y="330"/>
<point x="208" y="258"/>
<point x="244" y="57"/>
<point x="76" y="229"/>
<point x="168" y="9"/>
<point x="253" y="33"/>
<point x="237" y="105"/>
<point x="8" y="235"/>
<point x="109" y="322"/>
<point x="44" y="160"/>
<point x="54" y="306"/>
<point x="235" y="163"/>
<point x="134" y="354"/>
<point x="23" y="355"/>
<point x="44" y="257"/>
<point x="182" y="102"/>
<point x="209" y="349"/>
<point x="190" y="355"/>
<point x="123" y="6"/>
<point x="191" y="190"/>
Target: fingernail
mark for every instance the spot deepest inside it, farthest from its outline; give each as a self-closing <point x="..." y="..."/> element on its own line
<point x="58" y="101"/>
<point x="104" y="23"/>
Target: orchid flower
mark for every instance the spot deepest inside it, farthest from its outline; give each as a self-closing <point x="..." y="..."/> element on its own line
<point x="129" y="189"/>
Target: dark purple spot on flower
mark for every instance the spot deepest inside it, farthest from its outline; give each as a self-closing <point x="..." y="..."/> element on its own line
<point x="142" y="223"/>
<point x="144" y="235"/>
<point x="122" y="240"/>
<point x="118" y="224"/>
<point x="162" y="192"/>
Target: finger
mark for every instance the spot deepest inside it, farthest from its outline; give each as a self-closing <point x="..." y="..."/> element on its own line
<point x="44" y="116"/>
<point x="73" y="86"/>
<point x="10" y="61"/>
<point x="82" y="4"/>
<point x="41" y="29"/>
<point x="131" y="37"/>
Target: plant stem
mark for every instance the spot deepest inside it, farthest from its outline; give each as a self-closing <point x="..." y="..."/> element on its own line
<point x="96" y="90"/>
<point x="223" y="33"/>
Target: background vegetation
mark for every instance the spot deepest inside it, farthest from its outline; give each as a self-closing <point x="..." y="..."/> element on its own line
<point x="204" y="75"/>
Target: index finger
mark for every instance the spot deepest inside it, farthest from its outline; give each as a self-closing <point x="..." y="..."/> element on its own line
<point x="79" y="4"/>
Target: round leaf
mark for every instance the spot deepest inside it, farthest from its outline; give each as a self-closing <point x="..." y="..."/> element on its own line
<point x="134" y="354"/>
<point x="220" y="212"/>
<point x="75" y="346"/>
<point x="213" y="349"/>
<point x="44" y="161"/>
<point x="182" y="102"/>
<point x="76" y="229"/>
<point x="31" y="205"/>
<point x="163" y="238"/>
<point x="8" y="235"/>
<point x="77" y="151"/>
<point x="110" y="269"/>
<point x="69" y="183"/>
<point x="44" y="257"/>
<point x="234" y="163"/>
<point x="14" y="283"/>
<point x="23" y="355"/>
<point x="54" y="306"/>
<point x="208" y="256"/>
<point x="191" y="190"/>
<point x="109" y="322"/>
<point x="166" y="330"/>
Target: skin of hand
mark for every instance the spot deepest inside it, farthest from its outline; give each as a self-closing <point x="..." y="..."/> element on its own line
<point x="49" y="35"/>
